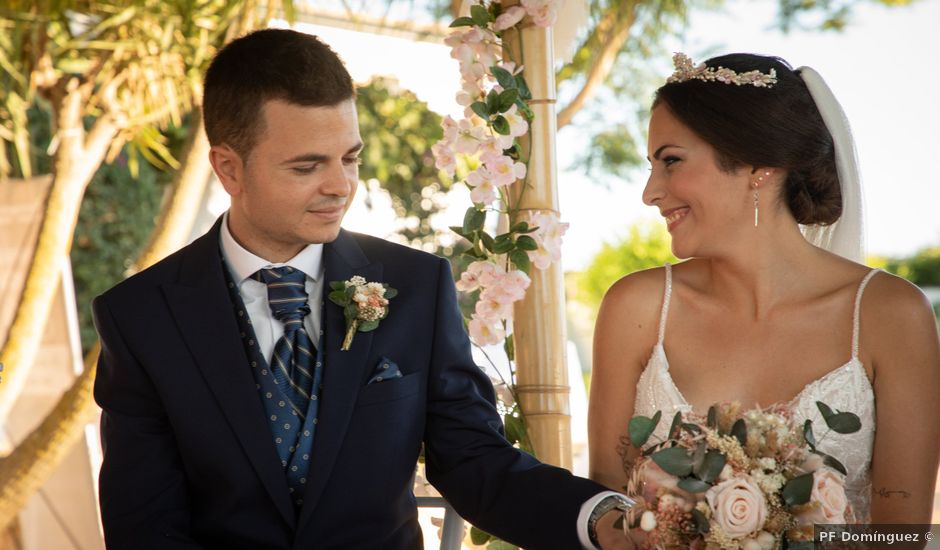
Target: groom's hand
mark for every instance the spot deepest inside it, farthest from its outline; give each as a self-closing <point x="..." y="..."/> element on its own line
<point x="610" y="537"/>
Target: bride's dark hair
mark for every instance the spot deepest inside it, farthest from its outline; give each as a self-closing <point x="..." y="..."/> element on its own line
<point x="776" y="127"/>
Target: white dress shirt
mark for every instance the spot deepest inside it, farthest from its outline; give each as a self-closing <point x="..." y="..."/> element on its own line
<point x="242" y="264"/>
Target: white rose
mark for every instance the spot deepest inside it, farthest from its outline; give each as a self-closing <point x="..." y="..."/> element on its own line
<point x="738" y="507"/>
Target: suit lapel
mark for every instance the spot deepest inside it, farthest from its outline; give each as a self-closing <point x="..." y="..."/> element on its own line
<point x="346" y="371"/>
<point x="202" y="309"/>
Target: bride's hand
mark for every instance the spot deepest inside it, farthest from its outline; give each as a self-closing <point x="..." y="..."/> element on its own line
<point x="610" y="537"/>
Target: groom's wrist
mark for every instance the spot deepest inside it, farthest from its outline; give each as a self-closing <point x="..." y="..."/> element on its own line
<point x="608" y="504"/>
<point x="593" y="510"/>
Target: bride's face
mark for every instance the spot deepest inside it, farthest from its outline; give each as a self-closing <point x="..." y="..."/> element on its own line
<point x="705" y="207"/>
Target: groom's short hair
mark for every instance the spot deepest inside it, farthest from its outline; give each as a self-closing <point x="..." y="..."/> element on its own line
<point x="264" y="65"/>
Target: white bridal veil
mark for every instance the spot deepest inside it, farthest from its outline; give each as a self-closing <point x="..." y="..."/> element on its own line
<point x="845" y="237"/>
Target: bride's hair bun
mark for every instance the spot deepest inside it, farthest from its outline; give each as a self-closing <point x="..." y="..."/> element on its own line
<point x="777" y="127"/>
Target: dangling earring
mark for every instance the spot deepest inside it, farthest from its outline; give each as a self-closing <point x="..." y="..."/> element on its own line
<point x="760" y="179"/>
<point x="755" y="206"/>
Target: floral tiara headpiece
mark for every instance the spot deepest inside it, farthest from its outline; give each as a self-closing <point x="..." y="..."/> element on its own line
<point x="686" y="70"/>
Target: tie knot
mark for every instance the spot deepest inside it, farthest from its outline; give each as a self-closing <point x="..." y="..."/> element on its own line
<point x="287" y="294"/>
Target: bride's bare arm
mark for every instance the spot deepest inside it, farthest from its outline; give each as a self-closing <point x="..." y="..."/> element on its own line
<point x="899" y="326"/>
<point x="624" y="334"/>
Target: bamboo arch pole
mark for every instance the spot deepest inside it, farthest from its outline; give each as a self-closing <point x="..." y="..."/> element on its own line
<point x="539" y="319"/>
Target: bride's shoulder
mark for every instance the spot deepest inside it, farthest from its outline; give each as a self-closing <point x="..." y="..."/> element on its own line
<point x="894" y="298"/>
<point x="639" y="290"/>
<point x="626" y="326"/>
<point x="896" y="319"/>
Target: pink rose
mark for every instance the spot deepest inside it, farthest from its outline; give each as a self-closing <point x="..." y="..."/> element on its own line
<point x="738" y="507"/>
<point x="828" y="503"/>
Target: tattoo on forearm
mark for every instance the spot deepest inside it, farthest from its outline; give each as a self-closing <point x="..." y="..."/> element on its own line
<point x="884" y="492"/>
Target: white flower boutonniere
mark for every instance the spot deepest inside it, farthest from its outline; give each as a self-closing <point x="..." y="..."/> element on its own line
<point x="364" y="304"/>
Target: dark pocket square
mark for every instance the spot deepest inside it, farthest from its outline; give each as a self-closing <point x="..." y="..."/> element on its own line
<point x="385" y="370"/>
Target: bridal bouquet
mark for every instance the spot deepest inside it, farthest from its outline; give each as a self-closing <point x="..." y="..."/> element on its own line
<point x="751" y="480"/>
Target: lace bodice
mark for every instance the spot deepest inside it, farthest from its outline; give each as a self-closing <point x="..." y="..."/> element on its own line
<point x="845" y="388"/>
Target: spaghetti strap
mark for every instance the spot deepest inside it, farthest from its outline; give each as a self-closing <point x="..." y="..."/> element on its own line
<point x="855" y="314"/>
<point x="666" y="294"/>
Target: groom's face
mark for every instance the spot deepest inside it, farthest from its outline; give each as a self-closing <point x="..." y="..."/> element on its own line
<point x="294" y="187"/>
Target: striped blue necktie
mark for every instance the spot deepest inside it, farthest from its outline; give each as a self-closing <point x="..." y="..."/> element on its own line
<point x="294" y="353"/>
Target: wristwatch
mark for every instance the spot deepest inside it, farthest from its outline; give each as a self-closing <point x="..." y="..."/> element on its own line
<point x="608" y="503"/>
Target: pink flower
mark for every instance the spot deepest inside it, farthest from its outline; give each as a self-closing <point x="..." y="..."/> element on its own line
<point x="503" y="295"/>
<point x="468" y="137"/>
<point x="517" y="280"/>
<point x="470" y="91"/>
<point x="510" y="66"/>
<point x="828" y="503"/>
<point x="478" y="274"/>
<point x="484" y="193"/>
<point x="469" y="36"/>
<point x="517" y="123"/>
<point x="506" y="288"/>
<point x="486" y="332"/>
<point x="505" y="171"/>
<point x="450" y="128"/>
<point x="738" y="507"/>
<point x="509" y="18"/>
<point x="491" y="149"/>
<point x="549" y="238"/>
<point x="472" y="71"/>
<point x="483" y="189"/>
<point x="543" y="12"/>
<point x="493" y="310"/>
<point x="463" y="53"/>
<point x="444" y="158"/>
<point x="487" y="54"/>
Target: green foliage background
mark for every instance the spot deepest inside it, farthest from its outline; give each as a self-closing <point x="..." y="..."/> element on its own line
<point x="922" y="269"/>
<point x="117" y="216"/>
<point x="398" y="131"/>
<point x="643" y="247"/>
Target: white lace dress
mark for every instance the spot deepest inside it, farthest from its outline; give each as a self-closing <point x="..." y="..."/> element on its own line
<point x="845" y="388"/>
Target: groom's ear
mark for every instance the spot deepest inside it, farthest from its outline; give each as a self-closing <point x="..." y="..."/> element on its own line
<point x="229" y="168"/>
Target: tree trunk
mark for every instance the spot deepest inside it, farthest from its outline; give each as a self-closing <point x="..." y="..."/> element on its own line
<point x="37" y="456"/>
<point x="182" y="207"/>
<point x="11" y="538"/>
<point x="613" y="31"/>
<point x="75" y="162"/>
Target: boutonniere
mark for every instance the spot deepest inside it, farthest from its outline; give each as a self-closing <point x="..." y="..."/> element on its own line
<point x="364" y="304"/>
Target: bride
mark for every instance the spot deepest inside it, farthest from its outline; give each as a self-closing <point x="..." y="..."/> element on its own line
<point x="753" y="171"/>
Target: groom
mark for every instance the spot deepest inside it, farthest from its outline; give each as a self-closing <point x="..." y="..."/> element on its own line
<point x="233" y="419"/>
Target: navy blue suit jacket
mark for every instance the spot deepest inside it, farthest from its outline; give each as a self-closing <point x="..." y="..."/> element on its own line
<point x="189" y="460"/>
